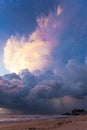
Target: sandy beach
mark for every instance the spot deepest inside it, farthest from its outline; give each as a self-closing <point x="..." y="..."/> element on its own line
<point x="70" y="123"/>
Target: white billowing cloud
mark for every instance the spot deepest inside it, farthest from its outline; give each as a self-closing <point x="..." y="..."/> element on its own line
<point x="34" y="52"/>
<point x="21" y="54"/>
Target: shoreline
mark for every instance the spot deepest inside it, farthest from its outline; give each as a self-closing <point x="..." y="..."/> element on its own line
<point x="24" y="118"/>
<point x="70" y="123"/>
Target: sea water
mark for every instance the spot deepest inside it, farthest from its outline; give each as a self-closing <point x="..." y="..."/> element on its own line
<point x="17" y="118"/>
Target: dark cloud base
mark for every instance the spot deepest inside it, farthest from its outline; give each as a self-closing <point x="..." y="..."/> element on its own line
<point x="38" y="92"/>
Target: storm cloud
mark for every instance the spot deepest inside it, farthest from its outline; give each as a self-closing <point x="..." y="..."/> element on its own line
<point x="51" y="63"/>
<point x="35" y="94"/>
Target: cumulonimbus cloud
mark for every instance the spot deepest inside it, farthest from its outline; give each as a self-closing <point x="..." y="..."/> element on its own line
<point x="61" y="92"/>
<point x="35" y="51"/>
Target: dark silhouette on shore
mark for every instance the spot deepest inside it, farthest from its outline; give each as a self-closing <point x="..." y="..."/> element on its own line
<point x="76" y="112"/>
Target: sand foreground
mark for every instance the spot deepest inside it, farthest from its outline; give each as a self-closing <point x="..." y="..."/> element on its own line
<point x="70" y="123"/>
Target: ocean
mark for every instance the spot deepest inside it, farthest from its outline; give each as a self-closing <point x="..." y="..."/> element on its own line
<point x="18" y="118"/>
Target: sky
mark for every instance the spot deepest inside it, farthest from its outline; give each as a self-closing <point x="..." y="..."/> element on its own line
<point x="43" y="54"/>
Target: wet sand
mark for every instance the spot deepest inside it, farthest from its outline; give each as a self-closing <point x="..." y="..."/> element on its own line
<point x="70" y="123"/>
